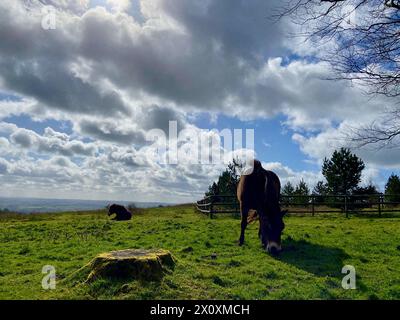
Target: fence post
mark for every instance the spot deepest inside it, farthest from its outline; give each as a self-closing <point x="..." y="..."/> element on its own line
<point x="312" y="205"/>
<point x="211" y="207"/>
<point x="345" y="206"/>
<point x="380" y="204"/>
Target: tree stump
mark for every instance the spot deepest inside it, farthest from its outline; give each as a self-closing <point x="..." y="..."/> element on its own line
<point x="131" y="263"/>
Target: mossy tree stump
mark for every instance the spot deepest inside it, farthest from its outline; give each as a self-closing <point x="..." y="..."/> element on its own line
<point x="131" y="263"/>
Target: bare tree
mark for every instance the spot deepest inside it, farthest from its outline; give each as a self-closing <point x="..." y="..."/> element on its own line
<point x="382" y="134"/>
<point x="361" y="42"/>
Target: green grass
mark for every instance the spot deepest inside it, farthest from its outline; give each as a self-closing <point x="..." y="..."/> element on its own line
<point x="209" y="264"/>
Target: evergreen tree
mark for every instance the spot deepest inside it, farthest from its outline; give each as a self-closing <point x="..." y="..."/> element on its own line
<point x="370" y="189"/>
<point x="227" y="181"/>
<point x="392" y="189"/>
<point x="288" y="192"/>
<point x="342" y="171"/>
<point x="321" y="190"/>
<point x="213" y="190"/>
<point x="302" y="192"/>
<point x="365" y="196"/>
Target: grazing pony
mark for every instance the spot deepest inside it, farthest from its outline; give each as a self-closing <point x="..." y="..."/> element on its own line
<point x="121" y="213"/>
<point x="260" y="191"/>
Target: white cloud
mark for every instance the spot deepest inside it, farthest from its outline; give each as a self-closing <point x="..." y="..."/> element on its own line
<point x="113" y="171"/>
<point x="287" y="174"/>
<point x="51" y="142"/>
<point x="11" y="107"/>
<point x="3" y="166"/>
<point x="320" y="145"/>
<point x="23" y="138"/>
<point x="119" y="5"/>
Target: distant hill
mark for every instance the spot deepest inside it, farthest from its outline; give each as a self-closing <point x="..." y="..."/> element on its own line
<point x="29" y="205"/>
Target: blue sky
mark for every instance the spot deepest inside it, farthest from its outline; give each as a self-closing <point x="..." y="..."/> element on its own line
<point x="78" y="100"/>
<point x="25" y="121"/>
<point x="273" y="140"/>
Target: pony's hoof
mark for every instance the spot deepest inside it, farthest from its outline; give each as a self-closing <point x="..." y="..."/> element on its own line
<point x="240" y="243"/>
<point x="273" y="251"/>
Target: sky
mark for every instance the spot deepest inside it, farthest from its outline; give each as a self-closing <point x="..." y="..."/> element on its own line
<point x="84" y="84"/>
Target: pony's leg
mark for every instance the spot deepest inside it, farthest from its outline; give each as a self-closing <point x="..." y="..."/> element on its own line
<point x="244" y="212"/>
<point x="261" y="231"/>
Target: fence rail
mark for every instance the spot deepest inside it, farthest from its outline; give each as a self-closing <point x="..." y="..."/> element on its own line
<point x="371" y="203"/>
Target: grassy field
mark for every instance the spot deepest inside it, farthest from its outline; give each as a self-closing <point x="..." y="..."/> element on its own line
<point x="209" y="264"/>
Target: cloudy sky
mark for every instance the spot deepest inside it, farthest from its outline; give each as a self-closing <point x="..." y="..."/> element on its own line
<point x="78" y="101"/>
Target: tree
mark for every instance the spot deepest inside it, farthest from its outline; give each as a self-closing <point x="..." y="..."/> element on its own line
<point x="363" y="47"/>
<point x="288" y="192"/>
<point x="384" y="133"/>
<point x="321" y="190"/>
<point x="343" y="171"/>
<point x="213" y="190"/>
<point x="227" y="181"/>
<point x="365" y="196"/>
<point x="234" y="176"/>
<point x="392" y="189"/>
<point x="364" y="35"/>
<point x="370" y="189"/>
<point x="302" y="192"/>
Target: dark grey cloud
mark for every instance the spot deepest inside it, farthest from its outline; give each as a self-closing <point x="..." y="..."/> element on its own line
<point x="35" y="62"/>
<point x="198" y="64"/>
<point x="110" y="131"/>
<point x="185" y="56"/>
<point x="52" y="84"/>
<point x="159" y="117"/>
<point x="131" y="130"/>
<point x="242" y="29"/>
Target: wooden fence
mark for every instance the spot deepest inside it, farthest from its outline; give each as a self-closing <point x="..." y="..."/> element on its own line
<point x="373" y="203"/>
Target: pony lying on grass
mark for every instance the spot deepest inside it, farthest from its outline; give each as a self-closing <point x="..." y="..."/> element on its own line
<point x="121" y="213"/>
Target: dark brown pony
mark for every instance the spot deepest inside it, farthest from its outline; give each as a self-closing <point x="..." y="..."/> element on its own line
<point x="121" y="213"/>
<point x="260" y="191"/>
